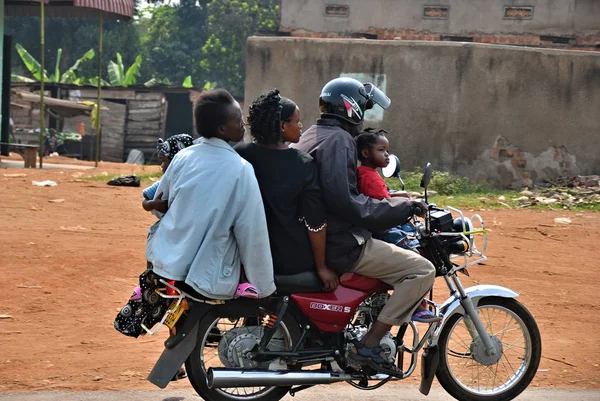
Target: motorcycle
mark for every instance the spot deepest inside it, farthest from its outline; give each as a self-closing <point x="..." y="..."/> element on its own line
<point x="486" y="346"/>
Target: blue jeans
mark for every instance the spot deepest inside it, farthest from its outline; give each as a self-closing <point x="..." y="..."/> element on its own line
<point x="399" y="236"/>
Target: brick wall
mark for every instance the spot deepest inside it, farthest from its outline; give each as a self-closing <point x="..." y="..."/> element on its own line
<point x="588" y="43"/>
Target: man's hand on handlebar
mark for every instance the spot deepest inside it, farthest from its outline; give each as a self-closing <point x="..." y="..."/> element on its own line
<point x="419" y="208"/>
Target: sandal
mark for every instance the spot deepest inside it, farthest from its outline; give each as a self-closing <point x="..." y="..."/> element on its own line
<point x="425" y="316"/>
<point x="246" y="290"/>
<point x="181" y="374"/>
<point x="374" y="358"/>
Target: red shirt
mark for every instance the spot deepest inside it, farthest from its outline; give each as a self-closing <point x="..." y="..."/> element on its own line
<point x="371" y="184"/>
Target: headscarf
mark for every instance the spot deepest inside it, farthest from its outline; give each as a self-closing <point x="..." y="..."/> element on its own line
<point x="174" y="144"/>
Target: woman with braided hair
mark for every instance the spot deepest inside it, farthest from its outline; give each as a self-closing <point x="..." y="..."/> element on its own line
<point x="290" y="189"/>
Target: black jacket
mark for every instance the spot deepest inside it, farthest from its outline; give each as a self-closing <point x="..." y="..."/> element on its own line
<point x="351" y="215"/>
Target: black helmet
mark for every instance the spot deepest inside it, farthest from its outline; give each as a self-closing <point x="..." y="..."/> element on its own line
<point x="348" y="99"/>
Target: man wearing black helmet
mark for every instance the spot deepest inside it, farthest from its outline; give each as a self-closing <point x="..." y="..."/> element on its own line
<point x="352" y="216"/>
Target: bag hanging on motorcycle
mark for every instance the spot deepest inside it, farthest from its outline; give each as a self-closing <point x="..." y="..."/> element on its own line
<point x="147" y="309"/>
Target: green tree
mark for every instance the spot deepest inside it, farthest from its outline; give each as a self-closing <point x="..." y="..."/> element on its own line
<point x="229" y="24"/>
<point x="171" y="41"/>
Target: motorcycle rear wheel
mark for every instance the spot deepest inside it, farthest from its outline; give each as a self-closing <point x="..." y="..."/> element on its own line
<point x="196" y="364"/>
<point x="467" y="374"/>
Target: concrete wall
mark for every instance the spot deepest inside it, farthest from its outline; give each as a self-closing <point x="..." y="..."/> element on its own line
<point x="559" y="17"/>
<point x="497" y="113"/>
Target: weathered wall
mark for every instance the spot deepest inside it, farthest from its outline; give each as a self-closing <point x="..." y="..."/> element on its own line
<point x="498" y="113"/>
<point x="562" y="17"/>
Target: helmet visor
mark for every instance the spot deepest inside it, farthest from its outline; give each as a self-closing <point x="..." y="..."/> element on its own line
<point x="376" y="95"/>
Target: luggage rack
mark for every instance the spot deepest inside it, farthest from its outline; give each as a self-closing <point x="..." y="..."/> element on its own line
<point x="177" y="307"/>
<point x="471" y="227"/>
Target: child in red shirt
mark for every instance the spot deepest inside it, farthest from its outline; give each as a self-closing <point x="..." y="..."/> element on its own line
<point x="373" y="153"/>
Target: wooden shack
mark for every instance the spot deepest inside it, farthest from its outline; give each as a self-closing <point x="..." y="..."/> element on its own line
<point x="136" y="117"/>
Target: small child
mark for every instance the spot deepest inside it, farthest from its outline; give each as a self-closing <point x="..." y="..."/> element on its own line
<point x="372" y="147"/>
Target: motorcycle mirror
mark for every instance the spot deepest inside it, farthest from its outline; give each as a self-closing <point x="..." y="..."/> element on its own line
<point x="393" y="167"/>
<point x="427" y="172"/>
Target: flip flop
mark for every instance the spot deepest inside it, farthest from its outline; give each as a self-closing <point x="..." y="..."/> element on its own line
<point x="246" y="290"/>
<point x="425" y="316"/>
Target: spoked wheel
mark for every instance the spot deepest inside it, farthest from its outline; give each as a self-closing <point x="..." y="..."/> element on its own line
<point x="468" y="373"/>
<point x="219" y="342"/>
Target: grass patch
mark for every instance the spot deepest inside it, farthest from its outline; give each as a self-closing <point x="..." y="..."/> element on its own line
<point x="144" y="177"/>
<point x="461" y="193"/>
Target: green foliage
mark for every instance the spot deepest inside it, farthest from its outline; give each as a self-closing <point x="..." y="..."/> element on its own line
<point x="117" y="74"/>
<point x="202" y="39"/>
<point x="187" y="82"/>
<point x="94" y="81"/>
<point x="34" y="66"/>
<point x="133" y="71"/>
<point x="20" y="78"/>
<point x="57" y="67"/>
<point x="75" y="37"/>
<point x="70" y="76"/>
<point x="442" y="182"/>
<point x="229" y="24"/>
<point x="171" y="41"/>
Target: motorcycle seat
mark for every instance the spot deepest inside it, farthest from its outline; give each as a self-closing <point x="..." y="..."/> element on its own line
<point x="305" y="282"/>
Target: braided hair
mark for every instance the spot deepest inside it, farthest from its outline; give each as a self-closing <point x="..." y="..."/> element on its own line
<point x="367" y="138"/>
<point x="265" y="118"/>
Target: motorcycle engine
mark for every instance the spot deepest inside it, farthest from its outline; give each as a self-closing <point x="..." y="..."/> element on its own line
<point x="236" y="343"/>
<point x="358" y="332"/>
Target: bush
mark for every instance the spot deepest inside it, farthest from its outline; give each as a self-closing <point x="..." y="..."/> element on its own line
<point x="442" y="182"/>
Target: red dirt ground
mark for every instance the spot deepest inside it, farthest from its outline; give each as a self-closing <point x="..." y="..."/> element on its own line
<point x="82" y="258"/>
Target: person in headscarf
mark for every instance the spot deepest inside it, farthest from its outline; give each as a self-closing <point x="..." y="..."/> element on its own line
<point x="166" y="149"/>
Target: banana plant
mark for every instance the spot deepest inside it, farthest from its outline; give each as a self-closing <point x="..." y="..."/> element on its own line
<point x="20" y="78"/>
<point x="117" y="74"/>
<point x="187" y="82"/>
<point x="155" y="82"/>
<point x="94" y="82"/>
<point x="69" y="77"/>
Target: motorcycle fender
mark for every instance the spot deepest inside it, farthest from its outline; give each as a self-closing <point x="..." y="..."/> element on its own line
<point x="452" y="305"/>
<point x="430" y="360"/>
<point x="244" y="307"/>
<point x="178" y="347"/>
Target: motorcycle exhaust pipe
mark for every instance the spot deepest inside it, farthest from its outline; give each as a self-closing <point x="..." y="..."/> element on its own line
<point x="224" y="378"/>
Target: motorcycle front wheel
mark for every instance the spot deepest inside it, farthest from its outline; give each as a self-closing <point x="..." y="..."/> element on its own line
<point x="467" y="373"/>
<point x="218" y="337"/>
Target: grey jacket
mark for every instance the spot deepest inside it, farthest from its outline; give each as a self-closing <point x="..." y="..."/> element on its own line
<point x="352" y="216"/>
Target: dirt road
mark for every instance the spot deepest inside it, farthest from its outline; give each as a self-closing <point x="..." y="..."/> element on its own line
<point x="67" y="266"/>
<point x="390" y="392"/>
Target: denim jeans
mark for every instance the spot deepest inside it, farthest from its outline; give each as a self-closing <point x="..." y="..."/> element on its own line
<point x="399" y="236"/>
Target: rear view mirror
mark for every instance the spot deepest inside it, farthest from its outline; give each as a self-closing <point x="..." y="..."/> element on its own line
<point x="427" y="172"/>
<point x="393" y="167"/>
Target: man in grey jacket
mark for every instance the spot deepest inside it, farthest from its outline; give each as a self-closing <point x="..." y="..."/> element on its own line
<point x="352" y="216"/>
